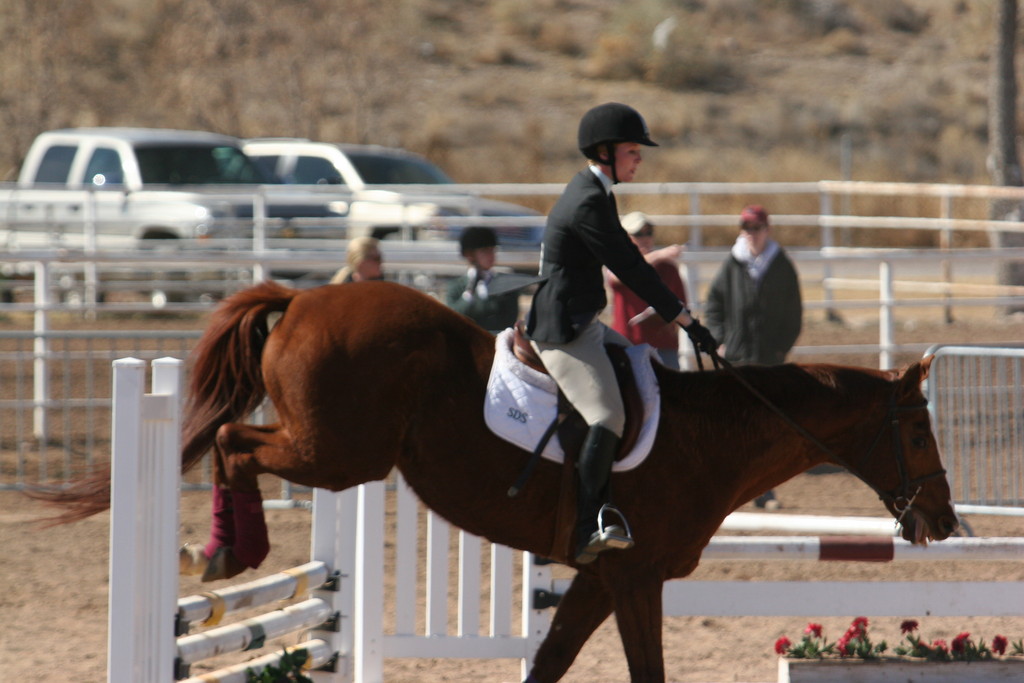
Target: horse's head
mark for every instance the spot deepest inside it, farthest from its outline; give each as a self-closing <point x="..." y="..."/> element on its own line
<point x="903" y="466"/>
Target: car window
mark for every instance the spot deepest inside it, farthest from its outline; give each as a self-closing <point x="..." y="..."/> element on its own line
<point x="382" y="169"/>
<point x="315" y="171"/>
<point x="267" y="165"/>
<point x="56" y="164"/>
<point x="197" y="165"/>
<point x="104" y="168"/>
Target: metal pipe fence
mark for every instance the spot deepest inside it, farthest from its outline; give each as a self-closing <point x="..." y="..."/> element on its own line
<point x="976" y="397"/>
<point x="64" y="431"/>
<point x="54" y="412"/>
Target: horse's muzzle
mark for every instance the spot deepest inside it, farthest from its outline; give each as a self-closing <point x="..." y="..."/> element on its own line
<point x="919" y="528"/>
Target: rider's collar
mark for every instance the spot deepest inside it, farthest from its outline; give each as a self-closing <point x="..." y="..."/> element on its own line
<point x="605" y="180"/>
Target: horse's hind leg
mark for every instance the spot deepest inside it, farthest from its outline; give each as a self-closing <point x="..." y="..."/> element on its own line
<point x="582" y="609"/>
<point x="638" y="612"/>
<point x="238" y="533"/>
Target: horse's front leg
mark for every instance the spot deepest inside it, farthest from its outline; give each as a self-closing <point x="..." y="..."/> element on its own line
<point x="638" y="613"/>
<point x="581" y="610"/>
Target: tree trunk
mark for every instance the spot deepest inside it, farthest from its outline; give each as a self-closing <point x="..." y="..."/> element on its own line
<point x="1004" y="162"/>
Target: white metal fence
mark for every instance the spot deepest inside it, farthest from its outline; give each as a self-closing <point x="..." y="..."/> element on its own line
<point x="976" y="396"/>
<point x="57" y="392"/>
<point x="56" y="386"/>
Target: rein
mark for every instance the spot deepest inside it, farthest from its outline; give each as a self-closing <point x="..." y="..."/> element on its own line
<point x="902" y="499"/>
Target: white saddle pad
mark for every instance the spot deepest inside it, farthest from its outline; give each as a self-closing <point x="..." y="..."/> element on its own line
<point x="521" y="403"/>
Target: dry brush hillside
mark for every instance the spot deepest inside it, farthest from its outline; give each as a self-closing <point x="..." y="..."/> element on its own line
<point x="741" y="89"/>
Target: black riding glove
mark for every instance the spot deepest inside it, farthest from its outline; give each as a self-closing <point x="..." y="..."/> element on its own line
<point x="701" y="337"/>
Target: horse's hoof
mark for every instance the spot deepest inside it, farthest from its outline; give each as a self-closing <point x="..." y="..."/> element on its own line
<point x="192" y="561"/>
<point x="223" y="565"/>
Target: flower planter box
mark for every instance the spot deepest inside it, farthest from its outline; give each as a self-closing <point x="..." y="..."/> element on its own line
<point x="898" y="670"/>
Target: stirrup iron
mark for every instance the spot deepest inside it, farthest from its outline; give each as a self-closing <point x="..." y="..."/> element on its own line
<point x="614" y="535"/>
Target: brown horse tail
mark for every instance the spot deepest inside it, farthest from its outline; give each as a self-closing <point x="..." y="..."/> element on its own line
<point x="226" y="384"/>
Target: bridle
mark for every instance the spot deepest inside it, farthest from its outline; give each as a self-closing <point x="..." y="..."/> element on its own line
<point x="902" y="498"/>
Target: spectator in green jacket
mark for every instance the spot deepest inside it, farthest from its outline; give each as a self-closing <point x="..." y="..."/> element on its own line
<point x="468" y="294"/>
<point x="753" y="305"/>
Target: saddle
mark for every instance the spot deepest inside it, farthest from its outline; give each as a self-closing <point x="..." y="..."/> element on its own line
<point x="573" y="430"/>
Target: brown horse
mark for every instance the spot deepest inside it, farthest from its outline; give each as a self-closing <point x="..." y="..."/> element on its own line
<point x="370" y="376"/>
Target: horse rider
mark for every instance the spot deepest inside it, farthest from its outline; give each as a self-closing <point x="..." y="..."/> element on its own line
<point x="583" y="234"/>
<point x="470" y="293"/>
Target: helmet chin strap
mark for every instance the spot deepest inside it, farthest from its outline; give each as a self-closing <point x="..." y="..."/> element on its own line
<point x="610" y="162"/>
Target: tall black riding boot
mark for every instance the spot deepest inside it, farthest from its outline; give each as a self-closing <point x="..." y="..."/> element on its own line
<point x="595" y="532"/>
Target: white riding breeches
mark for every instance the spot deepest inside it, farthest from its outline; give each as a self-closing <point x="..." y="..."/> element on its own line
<point x="584" y="373"/>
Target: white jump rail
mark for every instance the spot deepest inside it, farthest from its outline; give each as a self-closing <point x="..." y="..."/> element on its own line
<point x="253" y="633"/>
<point x="684" y="598"/>
<point x="210" y="607"/>
<point x="862" y="549"/>
<point x="809" y="524"/>
<point x="318" y="652"/>
<point x="143" y="619"/>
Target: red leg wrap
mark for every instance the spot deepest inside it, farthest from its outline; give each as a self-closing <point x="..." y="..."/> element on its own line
<point x="251" y="541"/>
<point x="222" y="526"/>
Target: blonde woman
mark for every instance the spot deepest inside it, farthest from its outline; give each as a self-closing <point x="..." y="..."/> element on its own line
<point x="362" y="262"/>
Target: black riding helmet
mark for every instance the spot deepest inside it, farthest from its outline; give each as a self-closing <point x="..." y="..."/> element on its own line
<point x="476" y="237"/>
<point x="611" y="123"/>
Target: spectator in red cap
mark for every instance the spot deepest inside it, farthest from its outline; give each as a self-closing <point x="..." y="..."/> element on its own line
<point x="753" y="305"/>
<point x="662" y="336"/>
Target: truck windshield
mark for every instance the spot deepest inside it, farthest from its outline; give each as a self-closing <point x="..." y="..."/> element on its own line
<point x="382" y="169"/>
<point x="197" y="165"/>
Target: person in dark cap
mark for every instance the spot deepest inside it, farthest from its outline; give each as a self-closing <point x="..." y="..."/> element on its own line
<point x="469" y="294"/>
<point x="753" y="304"/>
<point x="583" y="234"/>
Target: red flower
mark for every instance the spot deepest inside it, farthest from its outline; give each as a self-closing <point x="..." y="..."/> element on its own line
<point x="939" y="646"/>
<point x="782" y="645"/>
<point x="843" y="645"/>
<point x="960" y="642"/>
<point x="814" y="630"/>
<point x="908" y="626"/>
<point x="860" y="625"/>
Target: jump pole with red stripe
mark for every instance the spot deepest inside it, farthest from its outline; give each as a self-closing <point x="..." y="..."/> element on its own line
<point x="861" y="549"/>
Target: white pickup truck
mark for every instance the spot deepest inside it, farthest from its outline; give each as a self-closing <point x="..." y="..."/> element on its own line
<point x="125" y="187"/>
<point x="383" y="205"/>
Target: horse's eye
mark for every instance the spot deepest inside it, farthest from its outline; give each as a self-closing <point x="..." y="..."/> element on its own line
<point x="919" y="441"/>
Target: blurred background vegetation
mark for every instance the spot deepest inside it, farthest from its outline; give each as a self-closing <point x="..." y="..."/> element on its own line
<point x="734" y="90"/>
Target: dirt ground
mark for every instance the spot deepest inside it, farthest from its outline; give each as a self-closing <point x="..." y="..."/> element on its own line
<point x="53" y="582"/>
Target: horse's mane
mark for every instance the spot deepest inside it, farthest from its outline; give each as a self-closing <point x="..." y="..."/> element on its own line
<point x="720" y="391"/>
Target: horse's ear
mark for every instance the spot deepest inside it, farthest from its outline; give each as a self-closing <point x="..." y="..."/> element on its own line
<point x="926" y="364"/>
<point x="910" y="380"/>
